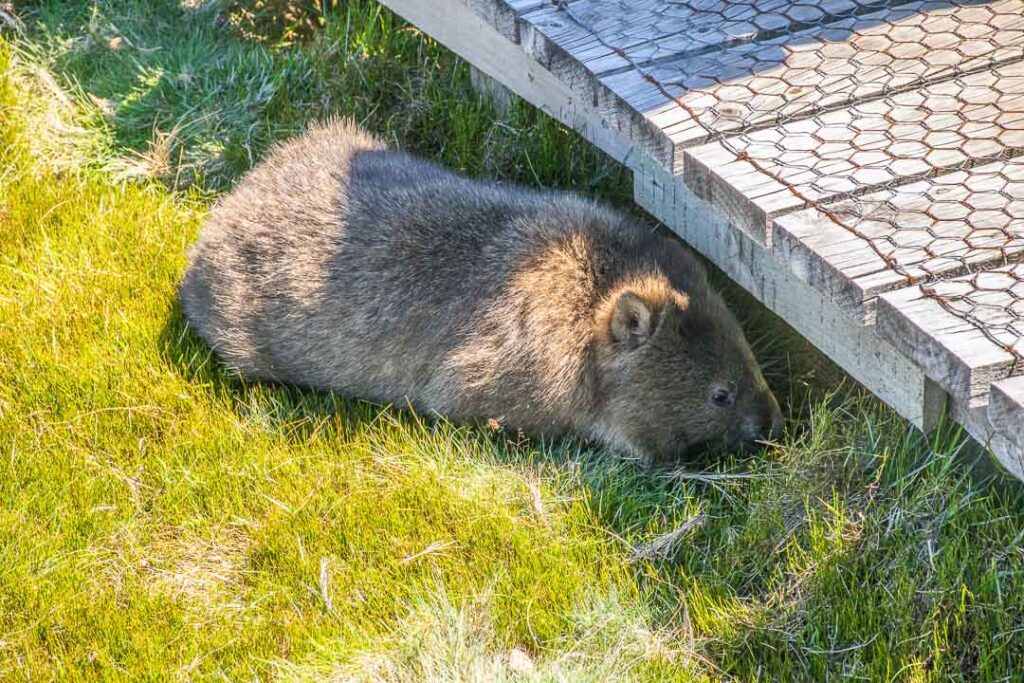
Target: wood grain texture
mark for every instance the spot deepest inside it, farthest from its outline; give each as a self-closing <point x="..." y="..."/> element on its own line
<point x="1006" y="409"/>
<point x="975" y="420"/>
<point x="501" y="16"/>
<point x="574" y="74"/>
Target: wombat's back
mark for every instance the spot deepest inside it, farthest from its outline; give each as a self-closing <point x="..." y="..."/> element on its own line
<point x="339" y="264"/>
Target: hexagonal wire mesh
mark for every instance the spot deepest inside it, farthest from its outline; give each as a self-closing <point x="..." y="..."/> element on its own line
<point x="847" y="104"/>
<point x="992" y="299"/>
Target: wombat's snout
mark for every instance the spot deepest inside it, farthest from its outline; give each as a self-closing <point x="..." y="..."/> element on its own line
<point x="765" y="424"/>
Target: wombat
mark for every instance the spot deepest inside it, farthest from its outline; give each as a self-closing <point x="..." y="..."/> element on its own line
<point x="340" y="264"/>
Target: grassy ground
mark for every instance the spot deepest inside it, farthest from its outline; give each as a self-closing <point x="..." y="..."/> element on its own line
<point x="159" y="519"/>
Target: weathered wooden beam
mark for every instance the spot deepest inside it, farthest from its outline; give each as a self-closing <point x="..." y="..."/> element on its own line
<point x="466" y="31"/>
<point x="976" y="422"/>
<point x="1006" y="409"/>
<point x="859" y="350"/>
<point x="569" y="70"/>
<point x="501" y="15"/>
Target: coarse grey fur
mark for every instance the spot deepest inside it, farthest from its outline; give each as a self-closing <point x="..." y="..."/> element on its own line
<point x="340" y="264"/>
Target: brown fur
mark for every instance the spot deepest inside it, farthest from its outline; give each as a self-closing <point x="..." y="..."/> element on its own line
<point x="342" y="265"/>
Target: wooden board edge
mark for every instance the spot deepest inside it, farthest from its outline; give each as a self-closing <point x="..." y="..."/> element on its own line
<point x="632" y="124"/>
<point x="966" y="379"/>
<point x="499" y="15"/>
<point x="810" y="267"/>
<point x="701" y="178"/>
<point x="1008" y="453"/>
<point x="1006" y="409"/>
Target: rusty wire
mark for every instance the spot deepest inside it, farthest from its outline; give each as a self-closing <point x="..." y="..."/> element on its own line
<point x="846" y="104"/>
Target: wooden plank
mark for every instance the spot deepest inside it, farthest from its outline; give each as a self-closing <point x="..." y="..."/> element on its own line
<point x="609" y="35"/>
<point x="757" y="176"/>
<point x="566" y="66"/>
<point x="966" y="332"/>
<point x="938" y="227"/>
<point x="596" y="36"/>
<point x="561" y="41"/>
<point x="976" y="422"/>
<point x="774" y="80"/>
<point x="859" y="350"/>
<point x="1006" y="409"/>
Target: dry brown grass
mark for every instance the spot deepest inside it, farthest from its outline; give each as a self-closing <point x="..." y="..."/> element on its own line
<point x="203" y="571"/>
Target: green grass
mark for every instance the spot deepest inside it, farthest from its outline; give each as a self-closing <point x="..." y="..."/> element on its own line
<point x="160" y="519"/>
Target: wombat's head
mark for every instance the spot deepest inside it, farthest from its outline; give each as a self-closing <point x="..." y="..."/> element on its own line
<point x="678" y="373"/>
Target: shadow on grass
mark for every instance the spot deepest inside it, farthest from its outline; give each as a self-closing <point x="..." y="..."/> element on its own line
<point x="184" y="350"/>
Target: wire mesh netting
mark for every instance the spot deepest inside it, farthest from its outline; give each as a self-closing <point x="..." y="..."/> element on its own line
<point x="898" y="122"/>
<point x="992" y="300"/>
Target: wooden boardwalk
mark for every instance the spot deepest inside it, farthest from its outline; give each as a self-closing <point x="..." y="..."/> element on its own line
<point x="857" y="165"/>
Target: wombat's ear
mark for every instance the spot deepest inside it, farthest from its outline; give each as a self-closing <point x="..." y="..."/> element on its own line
<point x="632" y="321"/>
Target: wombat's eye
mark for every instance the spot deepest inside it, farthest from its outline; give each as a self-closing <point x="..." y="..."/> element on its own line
<point x="721" y="397"/>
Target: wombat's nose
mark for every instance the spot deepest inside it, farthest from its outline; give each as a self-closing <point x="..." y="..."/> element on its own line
<point x="763" y="423"/>
<point x="771" y="424"/>
<point x="773" y="428"/>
